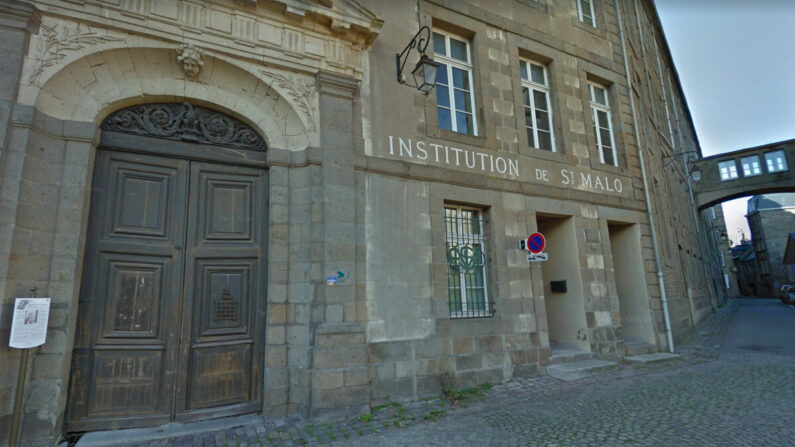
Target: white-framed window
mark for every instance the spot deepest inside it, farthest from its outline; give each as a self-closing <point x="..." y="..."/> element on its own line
<point x="603" y="126"/>
<point x="776" y="161"/>
<point x="465" y="245"/>
<point x="455" y="104"/>
<point x="728" y="170"/>
<point x="751" y="166"/>
<point x="585" y="12"/>
<point x="537" y="107"/>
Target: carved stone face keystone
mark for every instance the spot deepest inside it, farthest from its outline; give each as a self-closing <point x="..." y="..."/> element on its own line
<point x="191" y="59"/>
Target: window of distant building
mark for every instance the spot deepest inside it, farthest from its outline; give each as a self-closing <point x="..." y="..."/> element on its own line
<point x="603" y="128"/>
<point x="537" y="109"/>
<point x="585" y="12"/>
<point x="455" y="105"/>
<point x="465" y="244"/>
<point x="728" y="170"/>
<point x="776" y="162"/>
<point x="751" y="166"/>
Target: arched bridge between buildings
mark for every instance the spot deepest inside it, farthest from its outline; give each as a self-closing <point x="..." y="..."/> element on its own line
<point x="757" y="170"/>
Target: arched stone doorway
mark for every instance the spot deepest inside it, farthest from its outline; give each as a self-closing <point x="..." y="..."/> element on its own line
<point x="171" y="311"/>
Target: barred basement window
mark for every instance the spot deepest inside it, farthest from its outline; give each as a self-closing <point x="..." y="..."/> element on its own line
<point x="466" y="262"/>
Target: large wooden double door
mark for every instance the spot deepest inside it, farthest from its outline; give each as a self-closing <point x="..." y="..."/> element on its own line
<point x="170" y="321"/>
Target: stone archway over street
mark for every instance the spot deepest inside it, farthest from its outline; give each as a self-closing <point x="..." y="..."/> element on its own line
<point x="756" y="170"/>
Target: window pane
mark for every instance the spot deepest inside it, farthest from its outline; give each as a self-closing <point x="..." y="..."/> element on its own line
<point x="445" y="121"/>
<point x="599" y="95"/>
<point x="586" y="12"/>
<point x="544" y="140"/>
<point x="460" y="78"/>
<point x="601" y="118"/>
<point x="542" y="120"/>
<point x="523" y="70"/>
<point x="526" y="96"/>
<point x="528" y="117"/>
<point x="728" y="170"/>
<point x="463" y="122"/>
<point x="608" y="155"/>
<point x="776" y="161"/>
<point x="442" y="96"/>
<point x="605" y="135"/>
<point x="540" y="99"/>
<point x="441" y="74"/>
<point x="450" y="220"/>
<point x="438" y="44"/>
<point x="458" y="50"/>
<point x="531" y="136"/>
<point x="463" y="101"/>
<point x="751" y="166"/>
<point x="537" y="74"/>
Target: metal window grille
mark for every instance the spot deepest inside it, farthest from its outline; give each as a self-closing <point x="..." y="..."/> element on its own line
<point x="465" y="245"/>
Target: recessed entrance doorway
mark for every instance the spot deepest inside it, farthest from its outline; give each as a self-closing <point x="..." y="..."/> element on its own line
<point x="565" y="308"/>
<point x="171" y="311"/>
<point x="633" y="296"/>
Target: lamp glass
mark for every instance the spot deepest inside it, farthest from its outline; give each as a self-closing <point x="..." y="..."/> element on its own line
<point x="695" y="174"/>
<point x="425" y="74"/>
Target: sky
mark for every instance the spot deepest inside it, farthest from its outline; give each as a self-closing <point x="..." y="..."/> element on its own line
<point x="736" y="63"/>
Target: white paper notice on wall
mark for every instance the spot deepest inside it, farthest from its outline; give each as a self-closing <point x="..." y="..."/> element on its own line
<point x="29" y="322"/>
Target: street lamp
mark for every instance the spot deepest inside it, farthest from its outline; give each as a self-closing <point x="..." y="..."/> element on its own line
<point x="424" y="73"/>
<point x="695" y="171"/>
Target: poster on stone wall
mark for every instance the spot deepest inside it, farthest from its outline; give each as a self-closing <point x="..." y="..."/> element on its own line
<point x="29" y="322"/>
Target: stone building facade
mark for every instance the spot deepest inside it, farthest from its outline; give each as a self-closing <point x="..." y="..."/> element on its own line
<point x="771" y="218"/>
<point x="236" y="208"/>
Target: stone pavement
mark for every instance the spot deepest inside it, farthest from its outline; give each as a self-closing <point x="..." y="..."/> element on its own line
<point x="710" y="398"/>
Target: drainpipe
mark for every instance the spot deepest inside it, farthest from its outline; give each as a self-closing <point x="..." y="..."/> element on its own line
<point x="655" y="245"/>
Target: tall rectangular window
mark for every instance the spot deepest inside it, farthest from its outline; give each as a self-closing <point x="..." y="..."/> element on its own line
<point x="751" y="166"/>
<point x="585" y="12"/>
<point x="776" y="162"/>
<point x="467" y="291"/>
<point x="603" y="127"/>
<point x="455" y="106"/>
<point x="728" y="170"/>
<point x="537" y="109"/>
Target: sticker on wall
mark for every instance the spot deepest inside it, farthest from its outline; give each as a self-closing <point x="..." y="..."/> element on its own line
<point x="339" y="277"/>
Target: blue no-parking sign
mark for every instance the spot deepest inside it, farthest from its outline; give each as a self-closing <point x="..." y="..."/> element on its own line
<point x="535" y="243"/>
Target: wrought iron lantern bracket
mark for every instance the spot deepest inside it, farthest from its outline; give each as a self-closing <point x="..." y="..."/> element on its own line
<point x="424" y="73"/>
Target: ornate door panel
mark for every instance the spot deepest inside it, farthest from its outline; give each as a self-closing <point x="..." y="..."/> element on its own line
<point x="125" y="350"/>
<point x="223" y="270"/>
<point x="171" y="312"/>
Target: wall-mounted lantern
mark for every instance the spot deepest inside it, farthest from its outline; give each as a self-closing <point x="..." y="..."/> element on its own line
<point x="695" y="171"/>
<point x="424" y="73"/>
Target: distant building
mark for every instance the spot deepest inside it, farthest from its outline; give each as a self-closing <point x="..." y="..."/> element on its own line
<point x="745" y="267"/>
<point x="771" y="218"/>
<point x="716" y="226"/>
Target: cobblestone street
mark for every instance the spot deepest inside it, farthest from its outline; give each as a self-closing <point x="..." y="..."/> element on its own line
<point x="737" y="394"/>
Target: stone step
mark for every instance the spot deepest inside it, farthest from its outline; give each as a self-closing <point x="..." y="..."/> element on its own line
<point x="657" y="357"/>
<point x="578" y="370"/>
<point x="568" y="355"/>
<point x="638" y="347"/>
